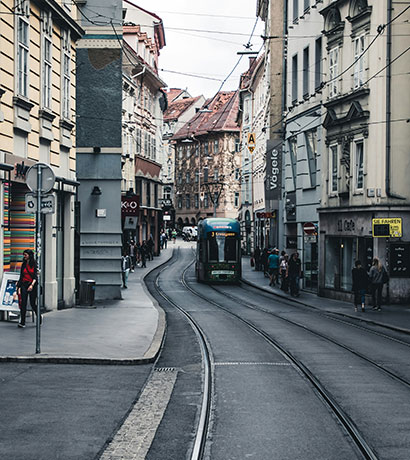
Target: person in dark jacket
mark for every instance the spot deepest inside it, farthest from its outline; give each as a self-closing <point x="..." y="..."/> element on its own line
<point x="257" y="256"/>
<point x="264" y="261"/>
<point x="144" y="252"/>
<point x="293" y="274"/>
<point x="360" y="284"/>
<point x="378" y="276"/>
<point x="26" y="286"/>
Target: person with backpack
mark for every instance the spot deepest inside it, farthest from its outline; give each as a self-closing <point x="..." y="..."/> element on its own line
<point x="360" y="283"/>
<point x="378" y="277"/>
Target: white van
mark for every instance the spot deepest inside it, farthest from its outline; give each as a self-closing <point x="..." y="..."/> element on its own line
<point x="190" y="233"/>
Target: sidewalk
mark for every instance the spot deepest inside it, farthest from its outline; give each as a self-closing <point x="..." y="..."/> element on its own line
<point x="127" y="331"/>
<point x="396" y="317"/>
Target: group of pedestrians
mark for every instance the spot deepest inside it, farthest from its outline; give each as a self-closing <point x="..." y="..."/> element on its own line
<point x="374" y="281"/>
<point x="283" y="270"/>
<point x="134" y="255"/>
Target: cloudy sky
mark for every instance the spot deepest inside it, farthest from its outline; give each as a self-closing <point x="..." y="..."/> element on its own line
<point x="211" y="55"/>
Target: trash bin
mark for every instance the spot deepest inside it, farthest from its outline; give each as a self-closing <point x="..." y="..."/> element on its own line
<point x="87" y="292"/>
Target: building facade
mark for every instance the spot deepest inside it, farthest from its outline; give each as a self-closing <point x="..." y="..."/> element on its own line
<point x="304" y="138"/>
<point x="99" y="147"/>
<point x="207" y="158"/>
<point x="143" y="108"/>
<point x="37" y="121"/>
<point x="365" y="161"/>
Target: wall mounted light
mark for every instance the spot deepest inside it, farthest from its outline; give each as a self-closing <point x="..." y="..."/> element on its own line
<point x="96" y="191"/>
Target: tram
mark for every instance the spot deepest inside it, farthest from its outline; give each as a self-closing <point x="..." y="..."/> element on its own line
<point x="218" y="253"/>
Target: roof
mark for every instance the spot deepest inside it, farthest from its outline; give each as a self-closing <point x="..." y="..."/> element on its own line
<point x="224" y="106"/>
<point x="173" y="93"/>
<point x="178" y="107"/>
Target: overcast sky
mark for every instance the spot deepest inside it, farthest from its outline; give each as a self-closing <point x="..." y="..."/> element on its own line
<point x="210" y="55"/>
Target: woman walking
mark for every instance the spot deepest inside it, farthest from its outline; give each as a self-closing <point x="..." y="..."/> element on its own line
<point x="360" y="284"/>
<point x="378" y="276"/>
<point x="26" y="286"/>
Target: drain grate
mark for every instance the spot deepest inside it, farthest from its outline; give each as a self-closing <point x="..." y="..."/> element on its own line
<point x="165" y="369"/>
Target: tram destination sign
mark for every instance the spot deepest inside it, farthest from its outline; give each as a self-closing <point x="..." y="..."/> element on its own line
<point x="389" y="227"/>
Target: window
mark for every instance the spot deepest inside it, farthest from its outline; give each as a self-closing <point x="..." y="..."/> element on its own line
<point x="295" y="10"/>
<point x="216" y="174"/>
<point x="237" y="145"/>
<point x="47" y="58"/>
<point x="179" y="203"/>
<point x="188" y="201"/>
<point x="206" y="149"/>
<point x="138" y="140"/>
<point x="196" y="200"/>
<point x="188" y="151"/>
<point x="333" y="72"/>
<point x="206" y="200"/>
<point x="206" y="173"/>
<point x="169" y="165"/>
<point x="22" y="56"/>
<point x="293" y="146"/>
<point x="236" y="199"/>
<point x="333" y="168"/>
<point x="295" y="78"/>
<point x="179" y="178"/>
<point x="306" y="71"/>
<point x="180" y="152"/>
<point x="237" y="175"/>
<point x="66" y="57"/>
<point x="187" y="178"/>
<point x="196" y="176"/>
<point x="148" y="194"/>
<point x="318" y="63"/>
<point x="306" y="6"/>
<point x="311" y="146"/>
<point x="216" y="146"/>
<point x="358" y="76"/>
<point x="359" y="165"/>
<point x="167" y="193"/>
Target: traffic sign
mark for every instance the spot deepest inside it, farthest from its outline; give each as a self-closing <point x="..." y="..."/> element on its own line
<point x="251" y="142"/>
<point x="47" y="178"/>
<point x="310" y="228"/>
<point x="47" y="203"/>
<point x="387" y="227"/>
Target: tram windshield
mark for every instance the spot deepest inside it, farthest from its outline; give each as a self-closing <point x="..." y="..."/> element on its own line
<point x="222" y="247"/>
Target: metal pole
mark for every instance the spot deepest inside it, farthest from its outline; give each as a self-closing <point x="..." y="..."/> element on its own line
<point x="38" y="251"/>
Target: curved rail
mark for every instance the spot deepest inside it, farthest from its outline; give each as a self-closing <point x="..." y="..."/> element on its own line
<point x="350" y="427"/>
<point x="204" y="416"/>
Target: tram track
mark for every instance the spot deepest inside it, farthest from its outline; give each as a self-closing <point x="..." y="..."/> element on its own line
<point x="350" y="427"/>
<point x="391" y="374"/>
<point x="205" y="411"/>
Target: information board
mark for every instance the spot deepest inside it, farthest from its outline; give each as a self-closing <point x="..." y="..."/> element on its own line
<point x="399" y="265"/>
<point x="8" y="299"/>
<point x="388" y="227"/>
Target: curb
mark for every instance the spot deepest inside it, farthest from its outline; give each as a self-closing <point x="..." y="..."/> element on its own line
<point x="149" y="356"/>
<point x="376" y="323"/>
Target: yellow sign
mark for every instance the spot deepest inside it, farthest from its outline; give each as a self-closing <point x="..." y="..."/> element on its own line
<point x="387" y="227"/>
<point x="251" y="142"/>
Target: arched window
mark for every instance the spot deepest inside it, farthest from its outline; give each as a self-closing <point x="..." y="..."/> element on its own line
<point x="357" y="7"/>
<point x="333" y="19"/>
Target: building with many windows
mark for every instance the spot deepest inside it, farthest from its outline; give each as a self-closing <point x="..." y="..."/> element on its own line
<point x="207" y="157"/>
<point x="37" y="119"/>
<point x="365" y="163"/>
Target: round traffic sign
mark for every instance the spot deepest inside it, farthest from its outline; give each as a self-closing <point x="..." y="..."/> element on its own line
<point x="47" y="178"/>
<point x="309" y="228"/>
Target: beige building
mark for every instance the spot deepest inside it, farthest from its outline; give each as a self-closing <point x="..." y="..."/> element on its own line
<point x="207" y="161"/>
<point x="37" y="121"/>
<point x="366" y="159"/>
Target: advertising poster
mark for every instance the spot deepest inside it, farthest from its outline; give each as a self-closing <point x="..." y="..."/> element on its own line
<point x="8" y="299"/>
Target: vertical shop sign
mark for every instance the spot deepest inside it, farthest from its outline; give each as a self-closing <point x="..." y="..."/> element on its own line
<point x="273" y="182"/>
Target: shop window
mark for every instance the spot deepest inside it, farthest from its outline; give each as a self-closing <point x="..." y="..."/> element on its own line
<point x="339" y="261"/>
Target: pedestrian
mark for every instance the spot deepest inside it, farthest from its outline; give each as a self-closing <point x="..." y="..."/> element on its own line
<point x="273" y="264"/>
<point x="293" y="274"/>
<point x="133" y="254"/>
<point x="378" y="277"/>
<point x="257" y="257"/>
<point x="144" y="252"/>
<point x="174" y="236"/>
<point x="360" y="284"/>
<point x="26" y="286"/>
<point x="264" y="261"/>
<point x="150" y="248"/>
<point x="138" y="253"/>
<point x="125" y="268"/>
<point x="283" y="268"/>
<point x="165" y="237"/>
